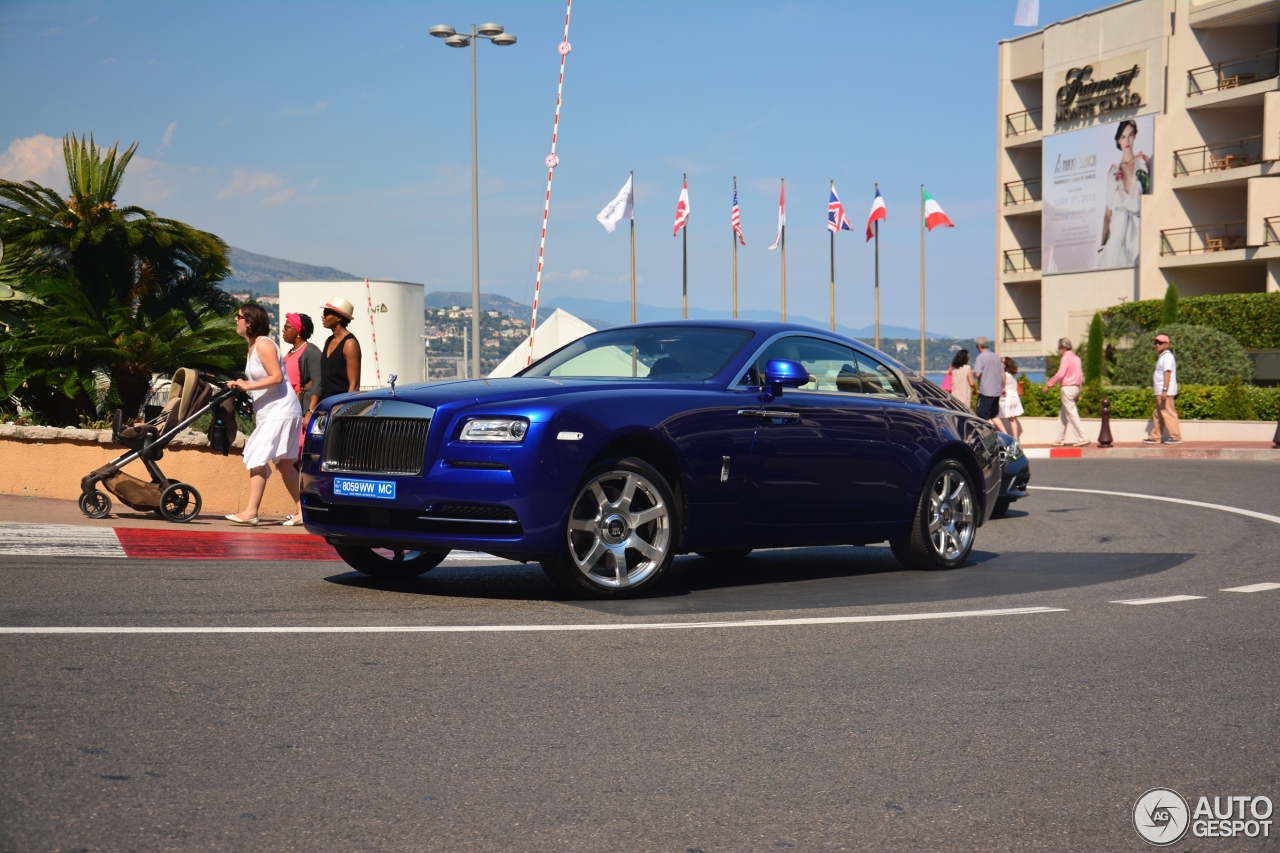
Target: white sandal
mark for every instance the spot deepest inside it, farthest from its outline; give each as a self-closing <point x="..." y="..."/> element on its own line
<point x="235" y="519"/>
<point x="291" y="521"/>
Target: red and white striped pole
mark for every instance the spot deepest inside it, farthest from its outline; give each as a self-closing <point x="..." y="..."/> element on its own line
<point x="552" y="161"/>
<point x="377" y="368"/>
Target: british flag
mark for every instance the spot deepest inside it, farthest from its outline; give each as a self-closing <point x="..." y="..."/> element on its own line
<point x="737" y="217"/>
<point x="836" y="220"/>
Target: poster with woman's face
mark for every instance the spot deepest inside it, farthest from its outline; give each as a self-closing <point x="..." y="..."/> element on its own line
<point x="1093" y="183"/>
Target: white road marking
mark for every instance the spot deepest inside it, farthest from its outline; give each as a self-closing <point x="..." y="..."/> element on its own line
<point x="1253" y="587"/>
<point x="1163" y="600"/>
<point x="507" y="629"/>
<point x="1250" y="513"/>
<point x="473" y="557"/>
<point x="59" y="540"/>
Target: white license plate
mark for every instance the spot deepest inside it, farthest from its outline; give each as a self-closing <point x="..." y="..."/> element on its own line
<point x="348" y="487"/>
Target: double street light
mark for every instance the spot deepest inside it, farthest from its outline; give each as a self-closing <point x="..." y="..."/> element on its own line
<point x="494" y="33"/>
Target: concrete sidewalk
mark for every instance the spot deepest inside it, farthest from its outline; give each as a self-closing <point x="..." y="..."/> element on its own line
<point x="1241" y="450"/>
<point x="25" y="510"/>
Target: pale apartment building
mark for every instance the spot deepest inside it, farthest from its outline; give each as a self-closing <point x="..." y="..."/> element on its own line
<point x="1137" y="145"/>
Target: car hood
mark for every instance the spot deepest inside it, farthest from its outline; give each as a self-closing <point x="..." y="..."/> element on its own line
<point x="488" y="391"/>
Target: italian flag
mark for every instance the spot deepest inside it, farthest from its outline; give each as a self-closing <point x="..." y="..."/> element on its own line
<point x="933" y="215"/>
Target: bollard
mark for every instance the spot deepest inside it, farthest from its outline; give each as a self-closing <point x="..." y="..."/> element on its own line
<point x="1104" y="435"/>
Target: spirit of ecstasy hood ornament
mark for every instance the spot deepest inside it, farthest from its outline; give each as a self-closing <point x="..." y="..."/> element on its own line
<point x="392" y="380"/>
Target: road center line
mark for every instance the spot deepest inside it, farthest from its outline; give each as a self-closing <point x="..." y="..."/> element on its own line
<point x="1167" y="599"/>
<point x="1250" y="513"/>
<point x="506" y="629"/>
<point x="1253" y="587"/>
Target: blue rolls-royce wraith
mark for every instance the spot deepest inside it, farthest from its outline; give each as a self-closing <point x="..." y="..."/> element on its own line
<point x="605" y="459"/>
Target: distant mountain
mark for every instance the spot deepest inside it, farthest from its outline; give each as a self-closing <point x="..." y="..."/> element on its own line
<point x="618" y="313"/>
<point x="263" y="274"/>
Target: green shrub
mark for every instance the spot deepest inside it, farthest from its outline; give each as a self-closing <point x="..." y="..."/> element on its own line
<point x="1170" y="313"/>
<point x="1234" y="403"/>
<point x="1253" y="319"/>
<point x="1093" y="351"/>
<point x="1195" y="402"/>
<point x="1205" y="357"/>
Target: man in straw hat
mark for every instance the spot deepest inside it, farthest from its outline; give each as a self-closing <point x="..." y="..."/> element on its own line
<point x="340" y="367"/>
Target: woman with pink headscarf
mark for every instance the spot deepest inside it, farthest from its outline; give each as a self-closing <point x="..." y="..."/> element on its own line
<point x="302" y="363"/>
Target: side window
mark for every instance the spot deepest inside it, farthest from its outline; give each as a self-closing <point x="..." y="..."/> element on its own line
<point x="831" y="366"/>
<point x="878" y="379"/>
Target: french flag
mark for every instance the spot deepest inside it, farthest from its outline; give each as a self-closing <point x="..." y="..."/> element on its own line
<point x="877" y="212"/>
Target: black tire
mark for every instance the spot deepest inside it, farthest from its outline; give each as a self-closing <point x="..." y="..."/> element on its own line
<point x="179" y="503"/>
<point x="1001" y="507"/>
<point x="942" y="529"/>
<point x="95" y="504"/>
<point x="604" y="524"/>
<point x="390" y="564"/>
<point x="726" y="555"/>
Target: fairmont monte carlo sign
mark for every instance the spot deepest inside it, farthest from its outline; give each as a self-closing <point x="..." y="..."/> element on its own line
<point x="1092" y="91"/>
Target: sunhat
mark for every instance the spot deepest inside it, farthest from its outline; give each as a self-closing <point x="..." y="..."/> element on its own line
<point x="341" y="306"/>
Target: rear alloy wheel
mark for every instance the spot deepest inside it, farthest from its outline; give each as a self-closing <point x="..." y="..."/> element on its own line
<point x="621" y="533"/>
<point x="390" y="564"/>
<point x="945" y="521"/>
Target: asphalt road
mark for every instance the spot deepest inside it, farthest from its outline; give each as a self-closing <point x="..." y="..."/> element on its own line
<point x="1036" y="730"/>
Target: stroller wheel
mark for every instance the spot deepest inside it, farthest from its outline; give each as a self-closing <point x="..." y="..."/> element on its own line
<point x="179" y="503"/>
<point x="95" y="504"/>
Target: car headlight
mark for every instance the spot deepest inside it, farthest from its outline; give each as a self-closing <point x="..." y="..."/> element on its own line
<point x="319" y="422"/>
<point x="1010" y="450"/>
<point x="495" y="429"/>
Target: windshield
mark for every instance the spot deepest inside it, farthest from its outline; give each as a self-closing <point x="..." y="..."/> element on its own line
<point x="664" y="353"/>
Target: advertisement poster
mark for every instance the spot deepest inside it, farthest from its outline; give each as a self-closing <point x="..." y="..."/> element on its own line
<point x="1093" y="184"/>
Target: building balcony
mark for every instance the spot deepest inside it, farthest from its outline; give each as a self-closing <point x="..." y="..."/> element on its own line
<point x="1203" y="239"/>
<point x="1020" y="330"/>
<point x="1219" y="157"/>
<point x="1022" y="261"/>
<point x="1271" y="231"/>
<point x="1234" y="73"/>
<point x="1023" y="123"/>
<point x="1022" y="192"/>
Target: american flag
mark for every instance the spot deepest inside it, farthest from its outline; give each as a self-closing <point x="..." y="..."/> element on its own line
<point x="836" y="220"/>
<point x="737" y="217"/>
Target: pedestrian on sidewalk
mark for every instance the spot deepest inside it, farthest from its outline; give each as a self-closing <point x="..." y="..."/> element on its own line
<point x="1011" y="400"/>
<point x="1071" y="375"/>
<point x="340" y="371"/>
<point x="303" y="364"/>
<point x="277" y="415"/>
<point x="990" y="375"/>
<point x="1165" y="385"/>
<point x="959" y="379"/>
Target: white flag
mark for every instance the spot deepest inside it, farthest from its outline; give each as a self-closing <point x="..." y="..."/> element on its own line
<point x="1028" y="14"/>
<point x="622" y="207"/>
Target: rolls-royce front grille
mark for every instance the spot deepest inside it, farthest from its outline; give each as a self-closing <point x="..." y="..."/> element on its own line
<point x="361" y="445"/>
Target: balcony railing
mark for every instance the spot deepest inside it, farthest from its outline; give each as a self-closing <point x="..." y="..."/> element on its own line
<point x="1022" y="260"/>
<point x="1202" y="239"/>
<point x="1018" y="124"/>
<point x="1021" y="330"/>
<point x="1271" y="231"/>
<point x="1218" y="157"/>
<point x="1022" y="192"/>
<point x="1233" y="73"/>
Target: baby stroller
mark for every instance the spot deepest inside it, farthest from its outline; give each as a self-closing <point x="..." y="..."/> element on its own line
<point x="190" y="397"/>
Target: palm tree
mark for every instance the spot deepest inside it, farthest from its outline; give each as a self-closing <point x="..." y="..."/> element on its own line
<point x="105" y="290"/>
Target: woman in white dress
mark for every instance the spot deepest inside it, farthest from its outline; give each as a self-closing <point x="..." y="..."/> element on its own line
<point x="1127" y="181"/>
<point x="1010" y="401"/>
<point x="277" y="415"/>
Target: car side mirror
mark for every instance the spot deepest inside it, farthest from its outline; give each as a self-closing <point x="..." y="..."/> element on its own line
<point x="782" y="373"/>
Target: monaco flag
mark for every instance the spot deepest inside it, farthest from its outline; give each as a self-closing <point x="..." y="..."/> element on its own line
<point x="782" y="217"/>
<point x="682" y="209"/>
<point x="933" y="215"/>
<point x="877" y="212"/>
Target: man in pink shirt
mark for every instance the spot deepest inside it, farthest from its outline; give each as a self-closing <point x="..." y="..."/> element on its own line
<point x="1071" y="375"/>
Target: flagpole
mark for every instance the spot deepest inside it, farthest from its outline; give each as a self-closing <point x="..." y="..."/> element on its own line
<point x="922" y="279"/>
<point x="833" y="269"/>
<point x="733" y="238"/>
<point x="685" y="256"/>
<point x="784" y="258"/>
<point x="877" y="226"/>
<point x="633" y="246"/>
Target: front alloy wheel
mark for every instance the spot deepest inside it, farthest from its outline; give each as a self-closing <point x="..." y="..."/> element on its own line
<point x="942" y="531"/>
<point x="620" y="534"/>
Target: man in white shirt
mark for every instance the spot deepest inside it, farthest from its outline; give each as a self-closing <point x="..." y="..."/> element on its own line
<point x="1165" y="385"/>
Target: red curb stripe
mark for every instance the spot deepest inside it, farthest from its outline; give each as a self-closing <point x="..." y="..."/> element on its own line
<point x="201" y="545"/>
<point x="1065" y="453"/>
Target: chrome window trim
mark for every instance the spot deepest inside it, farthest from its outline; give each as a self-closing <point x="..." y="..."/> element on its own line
<point x="911" y="397"/>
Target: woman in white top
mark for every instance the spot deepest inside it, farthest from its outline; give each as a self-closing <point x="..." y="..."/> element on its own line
<point x="1010" y="401"/>
<point x="1127" y="182"/>
<point x="277" y="415"/>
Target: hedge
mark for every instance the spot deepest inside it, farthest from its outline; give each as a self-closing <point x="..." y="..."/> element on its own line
<point x="1253" y="319"/>
<point x="1195" y="402"/>
<point x="1206" y="356"/>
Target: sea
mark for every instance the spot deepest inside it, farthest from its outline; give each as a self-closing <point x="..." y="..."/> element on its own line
<point x="1036" y="376"/>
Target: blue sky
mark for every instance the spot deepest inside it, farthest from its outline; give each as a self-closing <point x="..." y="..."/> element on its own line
<point x="339" y="134"/>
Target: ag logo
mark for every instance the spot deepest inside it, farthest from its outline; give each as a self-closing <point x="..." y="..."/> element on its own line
<point x="1161" y="816"/>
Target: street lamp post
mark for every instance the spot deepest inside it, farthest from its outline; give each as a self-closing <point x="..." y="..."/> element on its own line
<point x="453" y="38"/>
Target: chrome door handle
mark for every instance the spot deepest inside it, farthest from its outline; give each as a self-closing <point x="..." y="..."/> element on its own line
<point x="769" y="414"/>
